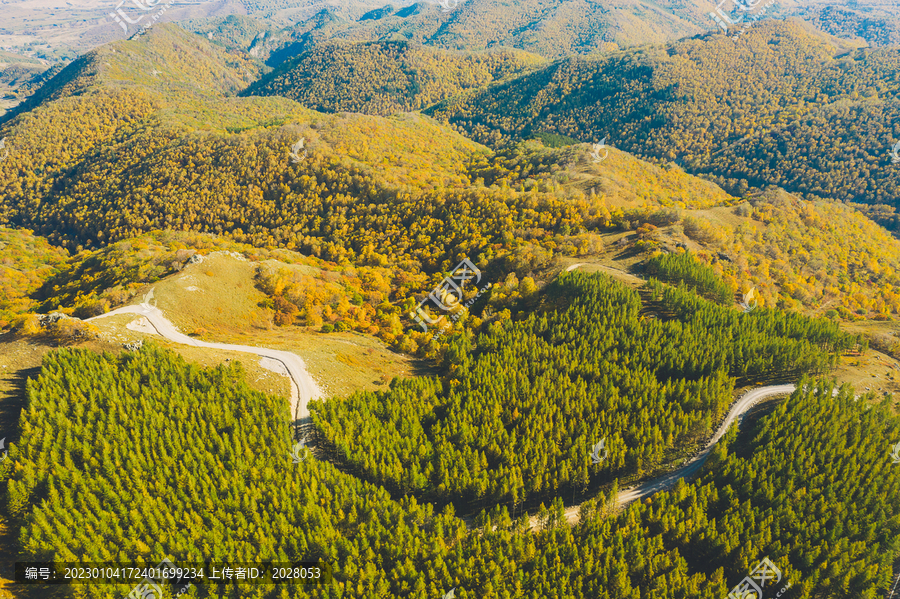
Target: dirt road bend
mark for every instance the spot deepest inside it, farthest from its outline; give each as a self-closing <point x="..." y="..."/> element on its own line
<point x="303" y="386"/>
<point x="667" y="481"/>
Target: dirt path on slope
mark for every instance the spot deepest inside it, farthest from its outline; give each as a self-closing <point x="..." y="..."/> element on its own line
<point x="303" y="386"/>
<point x="667" y="481"/>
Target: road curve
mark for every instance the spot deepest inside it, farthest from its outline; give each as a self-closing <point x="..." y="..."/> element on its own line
<point x="303" y="387"/>
<point x="667" y="481"/>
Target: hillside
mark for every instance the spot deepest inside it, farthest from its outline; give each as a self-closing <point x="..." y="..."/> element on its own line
<point x="513" y="414"/>
<point x="169" y="136"/>
<point x="377" y="192"/>
<point x="877" y="25"/>
<point x="550" y="29"/>
<point x="817" y="257"/>
<point x="27" y="262"/>
<point x="781" y="106"/>
<point x="21" y="76"/>
<point x="386" y="77"/>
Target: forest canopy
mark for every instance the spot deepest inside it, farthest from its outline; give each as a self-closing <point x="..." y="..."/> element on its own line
<point x="518" y="407"/>
<point x="142" y="456"/>
<point x="782" y="106"/>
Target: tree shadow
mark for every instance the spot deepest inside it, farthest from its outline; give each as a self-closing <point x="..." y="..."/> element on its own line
<point x="12" y="402"/>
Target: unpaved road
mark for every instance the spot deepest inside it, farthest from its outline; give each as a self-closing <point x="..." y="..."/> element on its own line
<point x="746" y="402"/>
<point x="667" y="481"/>
<point x="303" y="387"/>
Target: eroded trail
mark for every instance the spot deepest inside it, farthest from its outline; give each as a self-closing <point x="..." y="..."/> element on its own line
<point x="303" y="387"/>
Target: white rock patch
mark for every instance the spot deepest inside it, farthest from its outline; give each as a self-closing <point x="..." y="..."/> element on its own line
<point x="142" y="325"/>
<point x="276" y="366"/>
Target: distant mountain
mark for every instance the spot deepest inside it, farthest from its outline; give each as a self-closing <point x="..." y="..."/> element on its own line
<point x="557" y="28"/>
<point x="237" y="32"/>
<point x="549" y="28"/>
<point x="386" y="77"/>
<point x="60" y="30"/>
<point x="20" y="76"/>
<point x="781" y="106"/>
<point x="172" y="55"/>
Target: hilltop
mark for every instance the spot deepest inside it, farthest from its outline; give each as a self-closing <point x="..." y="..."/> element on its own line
<point x="385" y="77"/>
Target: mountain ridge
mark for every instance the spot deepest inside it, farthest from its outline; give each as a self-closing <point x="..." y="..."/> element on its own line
<point x="385" y="77"/>
<point x="716" y="106"/>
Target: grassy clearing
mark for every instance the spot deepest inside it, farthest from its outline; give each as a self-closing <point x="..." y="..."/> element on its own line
<point x="214" y="297"/>
<point x="628" y="182"/>
<point x="342" y="363"/>
<point x="873" y="371"/>
<point x="216" y="300"/>
<point x="879" y="369"/>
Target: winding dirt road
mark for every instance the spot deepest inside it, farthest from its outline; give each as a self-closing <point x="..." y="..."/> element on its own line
<point x="303" y="387"/>
<point x="667" y="481"/>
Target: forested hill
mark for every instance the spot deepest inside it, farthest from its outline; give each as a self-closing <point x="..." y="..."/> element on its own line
<point x="168" y="61"/>
<point x="781" y="105"/>
<point x="878" y="28"/>
<point x="518" y="407"/>
<point x="550" y="28"/>
<point x="385" y="77"/>
<point x="153" y="141"/>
